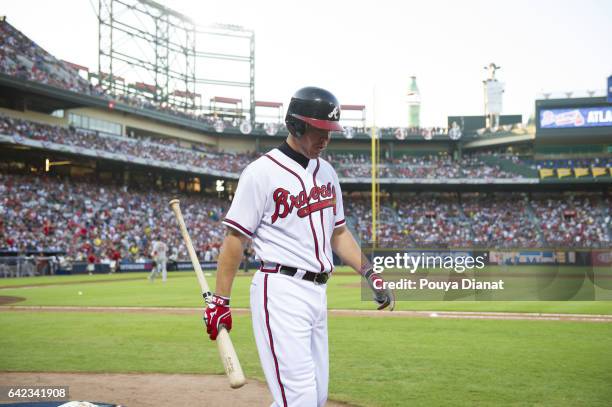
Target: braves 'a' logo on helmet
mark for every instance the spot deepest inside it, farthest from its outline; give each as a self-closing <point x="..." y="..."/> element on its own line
<point x="334" y="113"/>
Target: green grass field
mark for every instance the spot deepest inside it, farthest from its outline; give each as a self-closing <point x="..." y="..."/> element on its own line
<point x="374" y="362"/>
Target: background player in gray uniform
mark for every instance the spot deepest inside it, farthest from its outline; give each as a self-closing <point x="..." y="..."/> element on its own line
<point x="159" y="251"/>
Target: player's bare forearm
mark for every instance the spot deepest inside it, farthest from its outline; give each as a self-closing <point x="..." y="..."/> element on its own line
<point x="229" y="261"/>
<point x="344" y="245"/>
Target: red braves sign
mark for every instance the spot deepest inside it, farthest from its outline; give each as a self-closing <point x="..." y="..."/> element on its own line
<point x="325" y="195"/>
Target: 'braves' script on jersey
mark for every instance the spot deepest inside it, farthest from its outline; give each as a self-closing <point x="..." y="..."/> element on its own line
<point x="285" y="202"/>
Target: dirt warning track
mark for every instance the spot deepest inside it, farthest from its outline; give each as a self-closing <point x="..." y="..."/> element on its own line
<point x="152" y="389"/>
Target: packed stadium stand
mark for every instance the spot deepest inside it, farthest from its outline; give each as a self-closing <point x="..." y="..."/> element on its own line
<point x="108" y="221"/>
<point x="201" y="156"/>
<point x="44" y="213"/>
<point x="427" y="166"/>
<point x="347" y="164"/>
<point x="502" y="220"/>
<point x="168" y="151"/>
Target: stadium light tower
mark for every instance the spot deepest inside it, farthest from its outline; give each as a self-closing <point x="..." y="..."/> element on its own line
<point x="149" y="50"/>
<point x="493" y="92"/>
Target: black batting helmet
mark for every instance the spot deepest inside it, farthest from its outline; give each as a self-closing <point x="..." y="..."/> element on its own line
<point x="314" y="106"/>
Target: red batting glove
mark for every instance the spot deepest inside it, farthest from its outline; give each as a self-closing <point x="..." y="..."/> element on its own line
<point x="216" y="315"/>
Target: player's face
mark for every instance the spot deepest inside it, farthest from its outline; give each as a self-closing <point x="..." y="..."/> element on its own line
<point x="313" y="142"/>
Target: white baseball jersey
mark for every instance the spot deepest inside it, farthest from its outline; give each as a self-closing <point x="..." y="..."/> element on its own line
<point x="289" y="211"/>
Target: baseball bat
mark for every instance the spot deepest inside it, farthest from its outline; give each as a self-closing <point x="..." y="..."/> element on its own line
<point x="230" y="361"/>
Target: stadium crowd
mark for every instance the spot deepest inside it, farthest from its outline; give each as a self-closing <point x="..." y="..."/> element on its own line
<point x="116" y="223"/>
<point x="136" y="147"/>
<point x="501" y="220"/>
<point x="170" y="151"/>
<point x="348" y="165"/>
<point x="426" y="166"/>
<point x="504" y="220"/>
<point x="105" y="221"/>
<point x="574" y="221"/>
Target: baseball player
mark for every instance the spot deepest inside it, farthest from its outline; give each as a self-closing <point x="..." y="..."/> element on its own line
<point x="289" y="203"/>
<point x="159" y="250"/>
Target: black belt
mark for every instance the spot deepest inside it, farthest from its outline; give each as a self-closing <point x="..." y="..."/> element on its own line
<point x="317" y="278"/>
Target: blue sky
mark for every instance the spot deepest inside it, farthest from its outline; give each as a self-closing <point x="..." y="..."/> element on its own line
<point x="365" y="52"/>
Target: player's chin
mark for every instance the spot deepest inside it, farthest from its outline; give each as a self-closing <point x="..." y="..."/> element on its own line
<point x="316" y="152"/>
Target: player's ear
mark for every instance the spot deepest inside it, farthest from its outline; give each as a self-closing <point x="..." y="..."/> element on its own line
<point x="296" y="127"/>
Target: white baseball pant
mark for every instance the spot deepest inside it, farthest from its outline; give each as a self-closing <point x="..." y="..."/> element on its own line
<point x="290" y="327"/>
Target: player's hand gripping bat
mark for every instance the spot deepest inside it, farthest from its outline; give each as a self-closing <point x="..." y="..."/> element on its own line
<point x="224" y="343"/>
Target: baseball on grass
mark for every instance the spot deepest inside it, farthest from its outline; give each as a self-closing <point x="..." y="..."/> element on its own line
<point x="80" y="292"/>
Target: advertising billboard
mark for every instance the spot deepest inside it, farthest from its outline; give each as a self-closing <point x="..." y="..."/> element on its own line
<point x="576" y="117"/>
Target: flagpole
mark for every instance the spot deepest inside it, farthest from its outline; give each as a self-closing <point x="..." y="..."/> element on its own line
<point x="374" y="160"/>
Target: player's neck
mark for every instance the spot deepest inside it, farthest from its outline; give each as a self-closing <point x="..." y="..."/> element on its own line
<point x="292" y="150"/>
